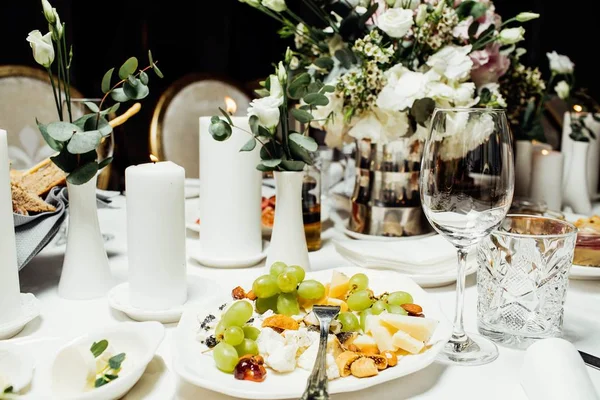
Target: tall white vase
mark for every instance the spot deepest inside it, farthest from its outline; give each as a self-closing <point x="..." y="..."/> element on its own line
<point x="288" y="242"/>
<point x="575" y="188"/>
<point x="524" y="150"/>
<point x="85" y="273"/>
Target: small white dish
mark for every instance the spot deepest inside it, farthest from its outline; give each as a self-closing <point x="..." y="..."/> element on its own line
<point x="138" y="340"/>
<point x="30" y="307"/>
<point x="118" y="299"/>
<point x="580" y="272"/>
<point x="16" y="367"/>
<point x="196" y="254"/>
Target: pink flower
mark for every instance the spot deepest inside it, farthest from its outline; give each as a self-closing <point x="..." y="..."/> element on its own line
<point x="488" y="65"/>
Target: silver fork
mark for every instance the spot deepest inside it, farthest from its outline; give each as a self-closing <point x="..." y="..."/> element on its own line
<point x="316" y="388"/>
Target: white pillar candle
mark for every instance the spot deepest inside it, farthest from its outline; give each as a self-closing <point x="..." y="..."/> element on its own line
<point x="546" y="178"/>
<point x="156" y="235"/>
<point x="10" y="301"/>
<point x="230" y="194"/>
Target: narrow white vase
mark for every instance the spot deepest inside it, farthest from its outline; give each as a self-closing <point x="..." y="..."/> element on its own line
<point x="85" y="273"/>
<point x="524" y="150"/>
<point x="288" y="242"/>
<point x="575" y="187"/>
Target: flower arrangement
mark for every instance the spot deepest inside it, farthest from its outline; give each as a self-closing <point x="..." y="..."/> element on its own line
<point x="392" y="62"/>
<point x="76" y="141"/>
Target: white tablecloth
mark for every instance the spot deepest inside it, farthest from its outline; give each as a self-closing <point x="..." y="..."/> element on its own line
<point x="62" y="320"/>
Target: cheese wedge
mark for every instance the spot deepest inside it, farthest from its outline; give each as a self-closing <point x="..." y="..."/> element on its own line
<point x="403" y="340"/>
<point x="337" y="302"/>
<point x="366" y="344"/>
<point x="419" y="328"/>
<point x="371" y="322"/>
<point x="340" y="283"/>
<point x="384" y="339"/>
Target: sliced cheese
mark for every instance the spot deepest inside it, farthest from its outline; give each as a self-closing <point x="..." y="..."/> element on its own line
<point x="366" y="344"/>
<point x="340" y="283"/>
<point x="419" y="328"/>
<point x="403" y="340"/>
<point x="337" y="302"/>
<point x="371" y="322"/>
<point x="384" y="339"/>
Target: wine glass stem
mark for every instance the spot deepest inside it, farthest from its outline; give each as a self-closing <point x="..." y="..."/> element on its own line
<point x="458" y="335"/>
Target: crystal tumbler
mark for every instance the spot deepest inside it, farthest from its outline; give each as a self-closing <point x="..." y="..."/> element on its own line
<point x="523" y="278"/>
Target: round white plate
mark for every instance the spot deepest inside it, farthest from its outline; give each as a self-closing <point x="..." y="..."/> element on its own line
<point x="118" y="298"/>
<point x="195" y="253"/>
<point x="199" y="369"/>
<point x="580" y="272"/>
<point x="30" y="309"/>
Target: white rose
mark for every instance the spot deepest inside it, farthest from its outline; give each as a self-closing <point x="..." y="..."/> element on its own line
<point x="395" y="22"/>
<point x="562" y="89"/>
<point x="511" y="35"/>
<point x="380" y="126"/>
<point x="267" y="111"/>
<point x="402" y="89"/>
<point x="43" y="51"/>
<point x="275" y="5"/>
<point x="560" y="64"/>
<point x="463" y="95"/>
<point x="452" y="62"/>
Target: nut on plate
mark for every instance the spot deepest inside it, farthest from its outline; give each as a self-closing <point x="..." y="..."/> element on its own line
<point x="392" y="359"/>
<point x="238" y="293"/>
<point x="280" y="322"/>
<point x="363" y="367"/>
<point x="413" y="309"/>
<point x="344" y="362"/>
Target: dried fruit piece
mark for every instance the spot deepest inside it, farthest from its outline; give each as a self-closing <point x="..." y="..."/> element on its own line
<point x="380" y="361"/>
<point x="280" y="322"/>
<point x="250" y="295"/>
<point x="250" y="368"/>
<point x="344" y="362"/>
<point x="412" y="309"/>
<point x="267" y="217"/>
<point x="363" y="368"/>
<point x="392" y="359"/>
<point x="238" y="293"/>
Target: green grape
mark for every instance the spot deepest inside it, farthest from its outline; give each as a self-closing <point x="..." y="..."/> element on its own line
<point x="287" y="304"/>
<point x="277" y="268"/>
<point x="251" y="332"/>
<point x="226" y="357"/>
<point x="248" y="346"/>
<point x="359" y="282"/>
<point x="378" y="307"/>
<point x="267" y="303"/>
<point x="396" y="309"/>
<point x="349" y="321"/>
<point x="265" y="286"/>
<point x="399" y="298"/>
<point x="363" y="317"/>
<point x="220" y="329"/>
<point x="360" y="300"/>
<point x="298" y="271"/>
<point x="233" y="335"/>
<point x="238" y="314"/>
<point x="311" y="290"/>
<point x="287" y="282"/>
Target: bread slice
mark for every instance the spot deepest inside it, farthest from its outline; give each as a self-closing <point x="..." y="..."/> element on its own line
<point x="25" y="202"/>
<point x="43" y="177"/>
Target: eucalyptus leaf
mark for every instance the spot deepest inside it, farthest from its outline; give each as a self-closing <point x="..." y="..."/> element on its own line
<point x="83" y="142"/>
<point x="314" y="87"/>
<point x="299" y="152"/>
<point x="157" y="71"/>
<point x="65" y="160"/>
<point x="111" y="110"/>
<point x="137" y="91"/>
<point x="128" y="68"/>
<point x="253" y="122"/>
<point x="54" y="145"/>
<point x="119" y="95"/>
<point x="297" y="87"/>
<point x="272" y="163"/>
<point x="61" y="131"/>
<point x="464" y="9"/>
<point x="99" y="347"/>
<point x="263" y="168"/>
<point x="473" y="28"/>
<point x="220" y="131"/>
<point x="346" y="57"/>
<point x="302" y="116"/>
<point x="292" y="165"/>
<point x="264" y="132"/>
<point x="422" y="110"/>
<point x="132" y="80"/>
<point x="306" y="142"/>
<point x="144" y="78"/>
<point x="150" y="60"/>
<point x="226" y="115"/>
<point x="324" y="62"/>
<point x="316" y="99"/>
<point x="99" y="124"/>
<point x="106" y="80"/>
<point x="83" y="174"/>
<point x="327" y="89"/>
<point x="92" y="106"/>
<point x="214" y="119"/>
<point x="104" y="162"/>
<point x="478" y="10"/>
<point x="271" y="150"/>
<point x="249" y="146"/>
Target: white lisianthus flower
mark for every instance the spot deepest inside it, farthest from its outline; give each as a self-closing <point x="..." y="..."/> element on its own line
<point x="463" y="95"/>
<point x="43" y="51"/>
<point x="562" y="89"/>
<point x="48" y="11"/>
<point x="253" y="3"/>
<point x="275" y="5"/>
<point x="401" y="3"/>
<point x="452" y="62"/>
<point x="511" y="35"/>
<point x="282" y="74"/>
<point x="403" y="88"/>
<point x="275" y="89"/>
<point x="330" y="118"/>
<point x="527" y="16"/>
<point x="380" y="126"/>
<point x="267" y="111"/>
<point x="560" y="64"/>
<point x="59" y="27"/>
<point x="395" y="22"/>
<point x="294" y="63"/>
<point x="421" y="14"/>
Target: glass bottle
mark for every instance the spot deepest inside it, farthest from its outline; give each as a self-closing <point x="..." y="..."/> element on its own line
<point x="311" y="207"/>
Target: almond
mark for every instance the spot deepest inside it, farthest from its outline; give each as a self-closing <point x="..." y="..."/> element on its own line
<point x="413" y="309"/>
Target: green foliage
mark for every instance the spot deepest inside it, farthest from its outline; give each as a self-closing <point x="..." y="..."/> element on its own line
<point x="305" y="142"/>
<point x="324" y="62"/>
<point x="83" y="173"/>
<point x="220" y="130"/>
<point x="84" y="142"/>
<point x="128" y="68"/>
<point x="119" y="95"/>
<point x="106" y="80"/>
<point x="99" y="347"/>
<point x="249" y="146"/>
<point x="316" y="99"/>
<point x="346" y="57"/>
<point x="422" y="110"/>
<point x="302" y="115"/>
<point x="61" y="131"/>
<point x="226" y="115"/>
<point x="299" y="86"/>
<point x="54" y="145"/>
<point x="115" y="361"/>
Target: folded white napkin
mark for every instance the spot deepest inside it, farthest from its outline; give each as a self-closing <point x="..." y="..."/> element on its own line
<point x="430" y="255"/>
<point x="554" y="370"/>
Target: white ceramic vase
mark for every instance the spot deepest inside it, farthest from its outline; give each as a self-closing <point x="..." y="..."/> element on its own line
<point x="288" y="242"/>
<point x="85" y="273"/>
<point x="575" y="185"/>
<point x="524" y="150"/>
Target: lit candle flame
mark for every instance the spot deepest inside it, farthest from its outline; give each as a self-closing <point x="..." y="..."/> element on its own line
<point x="153" y="158"/>
<point x="577" y="108"/>
<point x="230" y="104"/>
<point x="545" y="152"/>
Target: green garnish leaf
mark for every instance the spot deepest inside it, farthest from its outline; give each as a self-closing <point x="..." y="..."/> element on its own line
<point x="111" y="377"/>
<point x="9" y="389"/>
<point x="100" y="382"/>
<point x="99" y="347"/>
<point x="115" y="361"/>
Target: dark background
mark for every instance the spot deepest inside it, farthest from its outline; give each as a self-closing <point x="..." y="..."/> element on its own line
<point x="232" y="40"/>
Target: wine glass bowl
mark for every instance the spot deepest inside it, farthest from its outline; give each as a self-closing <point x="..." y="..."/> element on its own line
<point x="467" y="184"/>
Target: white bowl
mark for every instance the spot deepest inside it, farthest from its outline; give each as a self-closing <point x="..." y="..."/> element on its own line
<point x="138" y="340"/>
<point x="16" y="367"/>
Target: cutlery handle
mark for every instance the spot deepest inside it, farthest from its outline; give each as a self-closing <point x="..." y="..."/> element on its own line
<point x="316" y="389"/>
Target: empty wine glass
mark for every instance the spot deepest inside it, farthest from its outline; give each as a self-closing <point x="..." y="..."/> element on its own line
<point x="467" y="185"/>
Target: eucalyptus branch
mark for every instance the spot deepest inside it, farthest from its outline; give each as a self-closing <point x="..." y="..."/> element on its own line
<point x="255" y="137"/>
